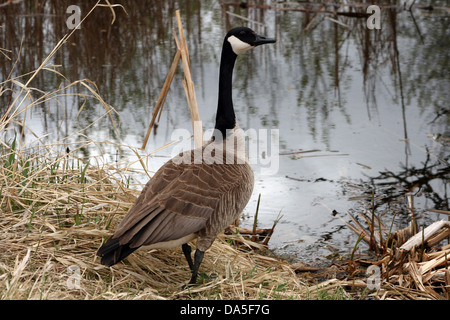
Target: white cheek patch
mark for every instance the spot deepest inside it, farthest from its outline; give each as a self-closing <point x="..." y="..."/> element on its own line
<point x="239" y="46"/>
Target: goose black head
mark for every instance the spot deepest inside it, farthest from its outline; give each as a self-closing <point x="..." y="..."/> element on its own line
<point x="242" y="39"/>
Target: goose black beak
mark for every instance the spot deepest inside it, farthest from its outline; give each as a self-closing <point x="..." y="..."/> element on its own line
<point x="263" y="40"/>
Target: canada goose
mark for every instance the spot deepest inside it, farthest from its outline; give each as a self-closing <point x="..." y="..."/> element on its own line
<point x="185" y="199"/>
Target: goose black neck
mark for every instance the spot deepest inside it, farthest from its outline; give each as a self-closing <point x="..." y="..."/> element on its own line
<point x="225" y="117"/>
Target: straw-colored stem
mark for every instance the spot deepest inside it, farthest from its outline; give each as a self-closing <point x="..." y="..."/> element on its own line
<point x="189" y="85"/>
<point x="162" y="96"/>
<point x="255" y="221"/>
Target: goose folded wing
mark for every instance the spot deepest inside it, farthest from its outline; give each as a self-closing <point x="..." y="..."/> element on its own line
<point x="176" y="202"/>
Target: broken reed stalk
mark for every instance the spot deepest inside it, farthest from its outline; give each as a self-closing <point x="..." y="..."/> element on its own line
<point x="188" y="85"/>
<point x="162" y="96"/>
<point x="267" y="239"/>
<point x="255" y="221"/>
<point x="372" y="244"/>
<point x="413" y="264"/>
<point x="427" y="233"/>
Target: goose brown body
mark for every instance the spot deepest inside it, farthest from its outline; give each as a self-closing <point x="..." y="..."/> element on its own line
<point x="184" y="199"/>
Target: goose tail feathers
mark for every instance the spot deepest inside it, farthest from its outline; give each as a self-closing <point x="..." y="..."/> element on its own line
<point x="113" y="252"/>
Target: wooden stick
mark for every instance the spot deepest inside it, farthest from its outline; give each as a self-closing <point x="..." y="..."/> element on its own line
<point x="300" y="267"/>
<point x="338" y="22"/>
<point x="244" y="18"/>
<point x="189" y="86"/>
<point x="312" y="20"/>
<point x="183" y="44"/>
<point x="435" y="239"/>
<point x="255" y="221"/>
<point x="429" y="231"/>
<point x="439" y="211"/>
<point x="247" y="231"/>
<point x="162" y="96"/>
<point x="266" y="240"/>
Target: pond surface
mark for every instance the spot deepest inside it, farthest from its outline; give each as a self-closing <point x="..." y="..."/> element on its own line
<point x="355" y="110"/>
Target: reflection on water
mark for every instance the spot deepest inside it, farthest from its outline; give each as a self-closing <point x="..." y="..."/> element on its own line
<point x="369" y="100"/>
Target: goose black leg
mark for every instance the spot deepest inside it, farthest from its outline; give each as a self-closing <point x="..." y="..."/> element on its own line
<point x="187" y="253"/>
<point x="198" y="257"/>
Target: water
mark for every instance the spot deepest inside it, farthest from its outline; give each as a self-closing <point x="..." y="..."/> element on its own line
<point x="368" y="101"/>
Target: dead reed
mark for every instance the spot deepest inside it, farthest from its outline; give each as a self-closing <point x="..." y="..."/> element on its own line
<point x="411" y="263"/>
<point x="55" y="214"/>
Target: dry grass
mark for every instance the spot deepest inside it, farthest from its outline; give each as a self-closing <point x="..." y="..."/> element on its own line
<point x="411" y="263"/>
<point x="55" y="214"/>
<point x="54" y="220"/>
